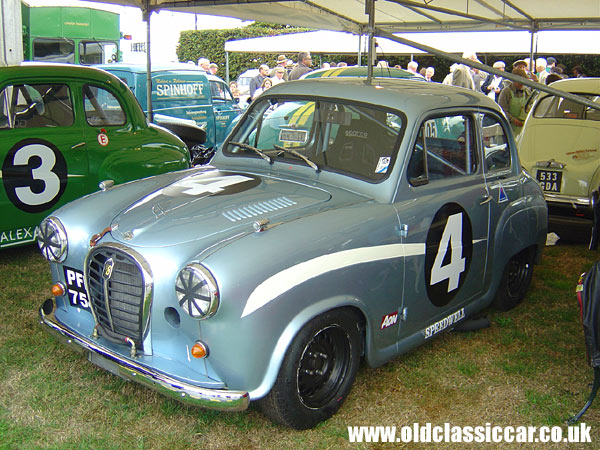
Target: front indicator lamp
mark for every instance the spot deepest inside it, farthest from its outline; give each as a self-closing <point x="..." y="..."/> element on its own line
<point x="58" y="290"/>
<point x="199" y="350"/>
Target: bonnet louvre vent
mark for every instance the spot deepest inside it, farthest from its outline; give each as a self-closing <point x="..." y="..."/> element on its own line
<point x="256" y="209"/>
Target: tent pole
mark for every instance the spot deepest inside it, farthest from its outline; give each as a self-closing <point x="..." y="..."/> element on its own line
<point x="370" y="10"/>
<point x="532" y="66"/>
<point x="146" y="14"/>
<point x="227" y="67"/>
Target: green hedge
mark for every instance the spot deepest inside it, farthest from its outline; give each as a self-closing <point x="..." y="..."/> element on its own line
<point x="210" y="44"/>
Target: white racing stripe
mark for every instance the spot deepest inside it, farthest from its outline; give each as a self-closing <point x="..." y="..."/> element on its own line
<point x="293" y="276"/>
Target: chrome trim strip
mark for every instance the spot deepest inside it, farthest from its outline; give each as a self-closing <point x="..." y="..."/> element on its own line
<point x="216" y="399"/>
<point x="584" y="201"/>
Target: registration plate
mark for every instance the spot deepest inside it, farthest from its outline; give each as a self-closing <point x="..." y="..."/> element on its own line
<point x="549" y="180"/>
<point x="76" y="288"/>
<point x="104" y="363"/>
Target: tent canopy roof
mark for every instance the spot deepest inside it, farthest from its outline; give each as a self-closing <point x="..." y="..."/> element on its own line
<point x="498" y="43"/>
<point x="398" y="15"/>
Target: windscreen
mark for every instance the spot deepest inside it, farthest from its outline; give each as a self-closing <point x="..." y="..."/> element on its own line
<point x="350" y="138"/>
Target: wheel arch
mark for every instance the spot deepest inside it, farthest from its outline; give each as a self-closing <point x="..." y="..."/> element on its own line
<point x="350" y="305"/>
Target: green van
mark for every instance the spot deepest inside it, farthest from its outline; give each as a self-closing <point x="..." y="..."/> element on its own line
<point x="63" y="130"/>
<point x="184" y="91"/>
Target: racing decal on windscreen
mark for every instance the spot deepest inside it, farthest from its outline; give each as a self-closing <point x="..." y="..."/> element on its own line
<point x="34" y="174"/>
<point x="448" y="253"/>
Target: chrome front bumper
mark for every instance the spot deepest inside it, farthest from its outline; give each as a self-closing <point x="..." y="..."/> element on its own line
<point x="215" y="399"/>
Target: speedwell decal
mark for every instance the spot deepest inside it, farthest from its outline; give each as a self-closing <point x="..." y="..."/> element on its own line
<point x="446" y="322"/>
<point x="293" y="276"/>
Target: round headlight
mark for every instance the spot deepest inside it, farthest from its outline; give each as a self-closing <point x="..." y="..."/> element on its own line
<point x="52" y="240"/>
<point x="197" y="291"/>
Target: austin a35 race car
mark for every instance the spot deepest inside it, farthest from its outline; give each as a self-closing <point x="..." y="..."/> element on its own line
<point x="64" y="129"/>
<point x="341" y="220"/>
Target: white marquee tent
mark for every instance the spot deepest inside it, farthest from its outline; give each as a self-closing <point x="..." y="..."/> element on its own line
<point x="505" y="42"/>
<point x="383" y="17"/>
<point x="398" y="15"/>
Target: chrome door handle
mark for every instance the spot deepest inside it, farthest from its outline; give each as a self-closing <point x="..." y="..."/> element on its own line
<point x="486" y="199"/>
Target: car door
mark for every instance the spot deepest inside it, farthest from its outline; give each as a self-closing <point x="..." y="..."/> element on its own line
<point x="500" y="165"/>
<point x="109" y="135"/>
<point x="224" y="107"/>
<point x="444" y="214"/>
<point x="44" y="158"/>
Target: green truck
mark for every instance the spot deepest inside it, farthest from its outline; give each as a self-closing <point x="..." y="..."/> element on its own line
<point x="70" y="34"/>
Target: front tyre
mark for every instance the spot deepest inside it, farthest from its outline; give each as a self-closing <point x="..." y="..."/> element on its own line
<point x="317" y="372"/>
<point x="515" y="280"/>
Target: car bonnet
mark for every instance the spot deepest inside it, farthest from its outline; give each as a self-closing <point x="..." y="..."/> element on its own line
<point x="212" y="203"/>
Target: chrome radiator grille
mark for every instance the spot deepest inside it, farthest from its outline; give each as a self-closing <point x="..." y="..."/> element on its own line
<point x="118" y="294"/>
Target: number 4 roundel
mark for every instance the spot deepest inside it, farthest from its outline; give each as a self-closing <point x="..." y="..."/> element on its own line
<point x="34" y="173"/>
<point x="448" y="253"/>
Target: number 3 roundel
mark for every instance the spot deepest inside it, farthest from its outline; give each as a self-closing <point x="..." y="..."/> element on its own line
<point x="34" y="174"/>
<point x="448" y="253"/>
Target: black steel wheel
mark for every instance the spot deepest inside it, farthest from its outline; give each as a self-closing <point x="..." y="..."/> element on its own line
<point x="515" y="280"/>
<point x="317" y="372"/>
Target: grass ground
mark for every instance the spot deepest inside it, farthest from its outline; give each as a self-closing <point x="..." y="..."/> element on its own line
<point x="528" y="368"/>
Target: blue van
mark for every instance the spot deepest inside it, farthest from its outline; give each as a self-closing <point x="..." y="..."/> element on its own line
<point x="184" y="91"/>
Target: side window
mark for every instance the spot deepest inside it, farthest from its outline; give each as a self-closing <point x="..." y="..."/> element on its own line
<point x="495" y="144"/>
<point x="445" y="148"/>
<point x="101" y="107"/>
<point x="32" y="106"/>
<point x="551" y="107"/>
<point x="57" y="50"/>
<point x="219" y="91"/>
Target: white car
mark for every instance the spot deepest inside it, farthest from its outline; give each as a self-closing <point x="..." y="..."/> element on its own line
<point x="560" y="146"/>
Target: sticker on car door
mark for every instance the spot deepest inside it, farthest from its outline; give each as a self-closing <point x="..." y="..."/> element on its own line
<point x="34" y="174"/>
<point x="448" y="253"/>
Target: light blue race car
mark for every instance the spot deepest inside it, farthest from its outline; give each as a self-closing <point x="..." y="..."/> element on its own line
<point x="339" y="221"/>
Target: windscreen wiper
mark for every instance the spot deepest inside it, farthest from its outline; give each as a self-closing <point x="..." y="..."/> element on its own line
<point x="254" y="149"/>
<point x="298" y="155"/>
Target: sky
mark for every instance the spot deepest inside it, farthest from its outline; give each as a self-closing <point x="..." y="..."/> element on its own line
<point x="165" y="27"/>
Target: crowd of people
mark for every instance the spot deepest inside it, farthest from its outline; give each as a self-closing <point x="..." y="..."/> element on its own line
<point x="510" y="95"/>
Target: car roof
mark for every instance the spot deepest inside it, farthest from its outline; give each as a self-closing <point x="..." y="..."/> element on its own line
<point x="53" y="70"/>
<point x="395" y="93"/>
<point x="361" y="71"/>
<point x="170" y="67"/>
<point x="584" y="85"/>
<point x="249" y="73"/>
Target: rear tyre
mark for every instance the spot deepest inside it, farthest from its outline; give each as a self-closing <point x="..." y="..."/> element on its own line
<point x="317" y="372"/>
<point x="515" y="280"/>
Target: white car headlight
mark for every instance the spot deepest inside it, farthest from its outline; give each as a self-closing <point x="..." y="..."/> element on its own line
<point x="197" y="291"/>
<point x="52" y="240"/>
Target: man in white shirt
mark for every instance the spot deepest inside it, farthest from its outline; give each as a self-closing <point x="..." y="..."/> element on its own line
<point x="492" y="86"/>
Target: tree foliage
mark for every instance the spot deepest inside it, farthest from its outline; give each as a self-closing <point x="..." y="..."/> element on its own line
<point x="196" y="44"/>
